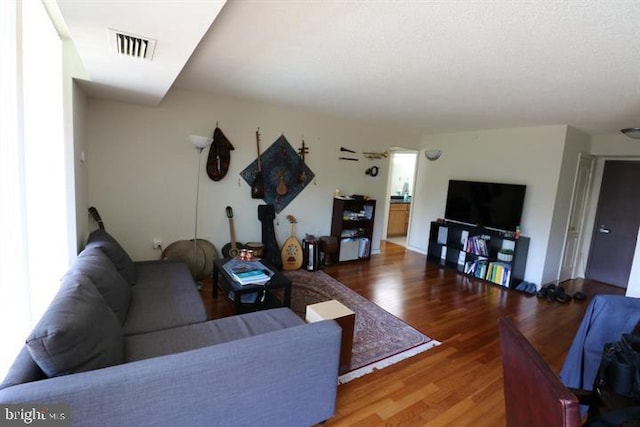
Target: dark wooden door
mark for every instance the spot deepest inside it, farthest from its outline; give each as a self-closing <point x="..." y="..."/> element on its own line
<point x="616" y="227"/>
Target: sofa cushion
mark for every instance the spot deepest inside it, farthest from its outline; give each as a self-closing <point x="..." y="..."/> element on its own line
<point x="94" y="264"/>
<point x="77" y="333"/>
<point x="165" y="296"/>
<point x="118" y="256"/>
<point x="23" y="370"/>
<point x="190" y="337"/>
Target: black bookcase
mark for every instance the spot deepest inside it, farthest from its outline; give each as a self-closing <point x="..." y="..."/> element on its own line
<point x="475" y="251"/>
<point x="352" y="224"/>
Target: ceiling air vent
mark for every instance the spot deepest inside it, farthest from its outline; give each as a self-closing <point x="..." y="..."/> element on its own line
<point x="131" y="45"/>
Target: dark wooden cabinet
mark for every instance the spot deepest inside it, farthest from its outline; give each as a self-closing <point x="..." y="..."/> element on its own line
<point x="352" y="224"/>
<point x="479" y="252"/>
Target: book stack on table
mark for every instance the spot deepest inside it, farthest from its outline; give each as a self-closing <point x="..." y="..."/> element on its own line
<point x="248" y="272"/>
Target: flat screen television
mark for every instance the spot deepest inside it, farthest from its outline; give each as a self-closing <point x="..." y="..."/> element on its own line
<point x="485" y="204"/>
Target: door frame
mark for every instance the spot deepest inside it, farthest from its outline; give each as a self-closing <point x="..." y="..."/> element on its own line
<point x="387" y="202"/>
<point x="582" y="221"/>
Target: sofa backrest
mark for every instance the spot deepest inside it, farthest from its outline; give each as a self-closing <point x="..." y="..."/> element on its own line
<point x="116" y="253"/>
<point x="95" y="265"/>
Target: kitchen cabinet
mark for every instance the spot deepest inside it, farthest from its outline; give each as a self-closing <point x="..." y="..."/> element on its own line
<point x="398" y="223"/>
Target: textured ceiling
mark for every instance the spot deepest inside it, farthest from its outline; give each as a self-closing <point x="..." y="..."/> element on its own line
<point x="441" y="66"/>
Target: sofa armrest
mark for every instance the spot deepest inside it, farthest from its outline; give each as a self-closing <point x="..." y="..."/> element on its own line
<point x="285" y="377"/>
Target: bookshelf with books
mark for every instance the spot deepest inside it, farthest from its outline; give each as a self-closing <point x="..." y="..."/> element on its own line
<point x="479" y="252"/>
<point x="352" y="225"/>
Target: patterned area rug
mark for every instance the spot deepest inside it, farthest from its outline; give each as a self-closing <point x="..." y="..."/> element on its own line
<point x="380" y="339"/>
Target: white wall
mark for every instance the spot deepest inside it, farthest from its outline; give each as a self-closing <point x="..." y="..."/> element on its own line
<point x="531" y="156"/>
<point x="81" y="175"/>
<point x="142" y="169"/>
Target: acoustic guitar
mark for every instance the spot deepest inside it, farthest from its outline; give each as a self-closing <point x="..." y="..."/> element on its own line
<point x="291" y="249"/>
<point x="93" y="213"/>
<point x="231" y="249"/>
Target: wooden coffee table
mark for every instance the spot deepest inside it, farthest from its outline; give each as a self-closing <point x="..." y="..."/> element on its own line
<point x="248" y="298"/>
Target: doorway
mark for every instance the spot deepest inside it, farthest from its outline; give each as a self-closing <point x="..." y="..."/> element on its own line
<point x="617" y="220"/>
<point x="399" y="195"/>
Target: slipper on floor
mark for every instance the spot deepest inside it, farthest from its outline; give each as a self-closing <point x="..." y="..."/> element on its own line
<point x="521" y="286"/>
<point x="579" y="296"/>
<point x="561" y="296"/>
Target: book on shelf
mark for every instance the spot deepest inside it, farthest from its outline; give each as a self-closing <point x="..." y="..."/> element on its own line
<point x="477" y="246"/>
<point x="499" y="273"/>
<point x="476" y="268"/>
<point x="363" y="247"/>
<point x="464" y="238"/>
<point x="368" y="211"/>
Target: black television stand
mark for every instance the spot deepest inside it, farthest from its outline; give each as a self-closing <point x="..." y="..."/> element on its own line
<point x="483" y="253"/>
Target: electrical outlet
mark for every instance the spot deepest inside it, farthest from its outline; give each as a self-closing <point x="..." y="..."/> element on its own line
<point x="157" y="243"/>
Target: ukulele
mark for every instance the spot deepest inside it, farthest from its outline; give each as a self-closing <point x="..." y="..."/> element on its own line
<point x="231" y="249"/>
<point x="291" y="249"/>
<point x="257" y="187"/>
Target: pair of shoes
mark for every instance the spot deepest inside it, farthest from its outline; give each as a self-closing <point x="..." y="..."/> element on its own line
<point x="547" y="292"/>
<point x="553" y="293"/>
<point x="527" y="287"/>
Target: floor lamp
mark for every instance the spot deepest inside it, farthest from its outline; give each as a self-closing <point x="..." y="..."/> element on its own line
<point x="200" y="142"/>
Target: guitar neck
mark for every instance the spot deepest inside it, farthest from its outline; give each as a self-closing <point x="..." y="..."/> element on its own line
<point x="258" y="149"/>
<point x="232" y="233"/>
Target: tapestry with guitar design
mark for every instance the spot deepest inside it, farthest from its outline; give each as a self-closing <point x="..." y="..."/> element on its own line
<point x="284" y="172"/>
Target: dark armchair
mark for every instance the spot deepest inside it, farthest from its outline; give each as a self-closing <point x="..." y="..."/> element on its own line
<point x="534" y="396"/>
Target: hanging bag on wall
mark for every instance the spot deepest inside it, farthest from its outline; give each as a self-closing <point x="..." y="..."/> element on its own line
<point x="219" y="156"/>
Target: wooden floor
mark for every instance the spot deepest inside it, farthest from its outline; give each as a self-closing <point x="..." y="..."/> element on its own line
<point x="458" y="383"/>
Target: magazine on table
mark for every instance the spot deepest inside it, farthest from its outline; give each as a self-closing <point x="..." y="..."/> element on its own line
<point x="248" y="272"/>
<point x="249" y="298"/>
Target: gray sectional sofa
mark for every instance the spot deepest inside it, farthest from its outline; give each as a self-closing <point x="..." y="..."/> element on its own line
<point x="129" y="343"/>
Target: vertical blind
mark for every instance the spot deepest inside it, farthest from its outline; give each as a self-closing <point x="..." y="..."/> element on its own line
<point x="34" y="236"/>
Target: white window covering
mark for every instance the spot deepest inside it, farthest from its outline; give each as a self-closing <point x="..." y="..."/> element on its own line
<point x="33" y="225"/>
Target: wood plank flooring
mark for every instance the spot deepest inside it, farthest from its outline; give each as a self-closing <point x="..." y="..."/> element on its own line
<point x="458" y="383"/>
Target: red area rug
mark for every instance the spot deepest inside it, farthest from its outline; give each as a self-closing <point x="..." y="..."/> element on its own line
<point x="380" y="339"/>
